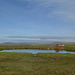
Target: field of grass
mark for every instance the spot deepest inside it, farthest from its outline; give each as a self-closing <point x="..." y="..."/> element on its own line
<point x="70" y="48"/>
<point x="9" y="47"/>
<point x="39" y="64"/>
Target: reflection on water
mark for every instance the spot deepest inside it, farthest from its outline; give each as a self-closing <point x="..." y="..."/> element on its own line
<point x="57" y="51"/>
<point x="37" y="51"/>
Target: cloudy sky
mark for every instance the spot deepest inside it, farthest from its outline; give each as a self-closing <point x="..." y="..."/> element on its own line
<point x="30" y="20"/>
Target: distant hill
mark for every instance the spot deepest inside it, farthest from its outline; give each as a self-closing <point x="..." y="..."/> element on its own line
<point x="43" y="44"/>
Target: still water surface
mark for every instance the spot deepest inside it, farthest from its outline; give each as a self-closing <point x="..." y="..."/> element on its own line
<point x="37" y="51"/>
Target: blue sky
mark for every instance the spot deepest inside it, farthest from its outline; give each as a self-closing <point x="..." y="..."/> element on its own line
<point x="37" y="18"/>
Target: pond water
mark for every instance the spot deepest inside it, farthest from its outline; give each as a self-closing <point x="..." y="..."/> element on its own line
<point x="37" y="51"/>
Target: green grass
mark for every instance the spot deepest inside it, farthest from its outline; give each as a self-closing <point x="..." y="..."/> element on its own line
<point x="39" y="64"/>
<point x="70" y="48"/>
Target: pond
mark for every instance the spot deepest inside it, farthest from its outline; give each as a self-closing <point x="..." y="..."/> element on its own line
<point x="37" y="51"/>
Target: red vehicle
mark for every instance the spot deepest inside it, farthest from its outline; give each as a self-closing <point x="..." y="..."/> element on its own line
<point x="57" y="45"/>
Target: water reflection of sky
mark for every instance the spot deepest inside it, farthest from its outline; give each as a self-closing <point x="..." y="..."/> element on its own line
<point x="37" y="51"/>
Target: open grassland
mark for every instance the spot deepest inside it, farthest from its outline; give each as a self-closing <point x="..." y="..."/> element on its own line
<point x="9" y="47"/>
<point x="39" y="64"/>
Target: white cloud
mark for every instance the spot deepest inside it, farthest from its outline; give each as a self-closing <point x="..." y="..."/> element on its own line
<point x="43" y="37"/>
<point x="63" y="8"/>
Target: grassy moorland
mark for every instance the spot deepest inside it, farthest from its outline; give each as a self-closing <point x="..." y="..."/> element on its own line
<point x="39" y="64"/>
<point x="8" y="47"/>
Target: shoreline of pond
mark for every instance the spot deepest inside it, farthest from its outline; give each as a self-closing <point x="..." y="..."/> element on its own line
<point x="10" y="47"/>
